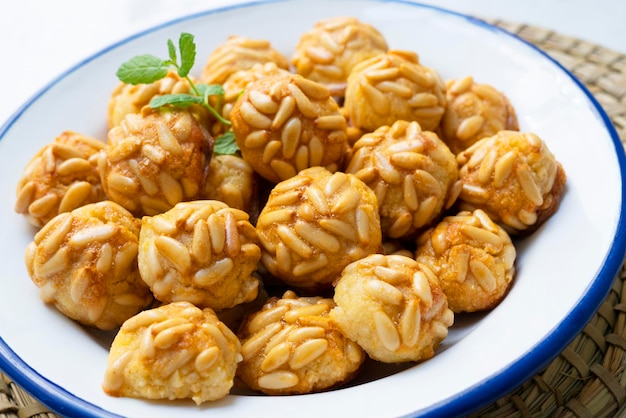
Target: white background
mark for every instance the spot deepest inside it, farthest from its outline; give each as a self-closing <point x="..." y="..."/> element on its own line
<point x="39" y="39"/>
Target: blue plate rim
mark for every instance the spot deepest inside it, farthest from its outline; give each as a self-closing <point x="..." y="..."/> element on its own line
<point x="482" y="393"/>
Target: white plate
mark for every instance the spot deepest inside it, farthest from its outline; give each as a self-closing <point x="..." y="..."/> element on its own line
<point x="565" y="269"/>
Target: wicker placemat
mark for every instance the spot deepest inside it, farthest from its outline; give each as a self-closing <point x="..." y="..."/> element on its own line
<point x="587" y="379"/>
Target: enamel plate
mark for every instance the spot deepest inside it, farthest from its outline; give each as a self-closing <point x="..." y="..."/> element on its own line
<point x="564" y="270"/>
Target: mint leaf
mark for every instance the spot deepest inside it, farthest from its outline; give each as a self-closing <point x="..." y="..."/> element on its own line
<point x="179" y="100"/>
<point x="187" y="53"/>
<point x="142" y="69"/>
<point x="171" y="49"/>
<point x="206" y="90"/>
<point x="225" y="144"/>
<point x="210" y="89"/>
<point x="146" y="69"/>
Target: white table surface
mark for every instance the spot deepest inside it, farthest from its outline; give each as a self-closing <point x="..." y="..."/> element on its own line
<point x="39" y="39"/>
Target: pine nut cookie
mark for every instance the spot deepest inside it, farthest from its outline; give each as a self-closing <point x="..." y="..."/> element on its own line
<point x="412" y="172"/>
<point x="514" y="178"/>
<point x="473" y="258"/>
<point x="155" y="159"/>
<point x="291" y="347"/>
<point x="202" y="252"/>
<point x="84" y="262"/>
<point x="393" y="307"/>
<point x="62" y="176"/>
<point x="175" y="351"/>
<point x="328" y="52"/>
<point x="235" y="85"/>
<point x="394" y="86"/>
<point x="232" y="180"/>
<point x="315" y="224"/>
<point x="131" y="98"/>
<point x="474" y="111"/>
<point x="239" y="53"/>
<point x="285" y="124"/>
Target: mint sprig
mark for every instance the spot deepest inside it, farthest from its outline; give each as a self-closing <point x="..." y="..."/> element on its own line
<point x="181" y="100"/>
<point x="225" y="144"/>
<point x="187" y="54"/>
<point x="142" y="69"/>
<point x="147" y="68"/>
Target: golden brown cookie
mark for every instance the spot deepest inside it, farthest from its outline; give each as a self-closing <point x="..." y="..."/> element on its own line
<point x="474" y="111"/>
<point x="314" y="225"/>
<point x="84" y="262"/>
<point x="155" y="159"/>
<point x="175" y="351"/>
<point x="412" y="172"/>
<point x="237" y="83"/>
<point x="514" y="178"/>
<point x="393" y="307"/>
<point x="285" y="124"/>
<point x="202" y="252"/>
<point x="239" y="53"/>
<point x="291" y="347"/>
<point x="62" y="176"/>
<point x="131" y="98"/>
<point x="394" y="86"/>
<point x="232" y="180"/>
<point x="328" y="52"/>
<point x="473" y="258"/>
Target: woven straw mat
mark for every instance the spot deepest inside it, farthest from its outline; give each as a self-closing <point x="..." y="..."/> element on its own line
<point x="587" y="379"/>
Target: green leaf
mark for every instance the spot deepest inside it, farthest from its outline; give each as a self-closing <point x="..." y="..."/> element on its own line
<point x="187" y="53"/>
<point x="207" y="90"/>
<point x="225" y="144"/>
<point x="171" y="49"/>
<point x="179" y="100"/>
<point x="142" y="69"/>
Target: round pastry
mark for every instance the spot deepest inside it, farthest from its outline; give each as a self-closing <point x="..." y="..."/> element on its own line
<point x="412" y="172"/>
<point x="474" y="111"/>
<point x="154" y="160"/>
<point x="514" y="178"/>
<point x="473" y="258"/>
<point x="291" y="347"/>
<point x="202" y="252"/>
<point x="131" y="98"/>
<point x="238" y="82"/>
<point x="394" y="86"/>
<point x="284" y="124"/>
<point x="84" y="262"/>
<point x="329" y="51"/>
<point x="175" y="351"/>
<point x="62" y="176"/>
<point x="239" y="53"/>
<point x="315" y="224"/>
<point x="393" y="307"/>
<point x="230" y="179"/>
